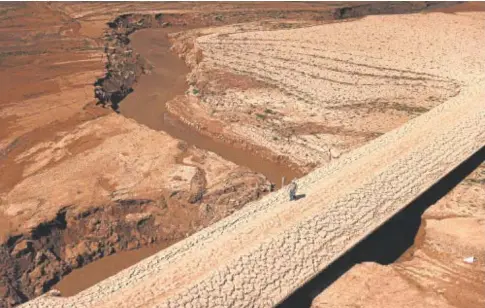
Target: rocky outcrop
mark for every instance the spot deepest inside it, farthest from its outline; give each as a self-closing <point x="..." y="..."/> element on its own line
<point x="41" y="257"/>
<point x="123" y="65"/>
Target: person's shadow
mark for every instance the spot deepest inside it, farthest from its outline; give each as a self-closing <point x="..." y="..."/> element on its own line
<point x="300" y="196"/>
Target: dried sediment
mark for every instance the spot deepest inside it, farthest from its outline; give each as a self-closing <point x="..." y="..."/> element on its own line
<point x="124" y="66"/>
<point x="272" y="88"/>
<point x="118" y="195"/>
<point x="37" y="108"/>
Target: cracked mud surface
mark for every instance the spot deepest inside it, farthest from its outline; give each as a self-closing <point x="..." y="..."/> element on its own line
<point x="306" y="78"/>
<point x="262" y="253"/>
<point x="167" y="79"/>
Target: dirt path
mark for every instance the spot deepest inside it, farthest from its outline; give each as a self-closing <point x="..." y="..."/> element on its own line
<point x="146" y="105"/>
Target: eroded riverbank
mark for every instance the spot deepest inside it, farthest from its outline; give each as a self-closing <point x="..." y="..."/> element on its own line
<point x="147" y="105"/>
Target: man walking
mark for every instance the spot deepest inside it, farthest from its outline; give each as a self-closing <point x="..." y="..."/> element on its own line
<point x="293" y="187"/>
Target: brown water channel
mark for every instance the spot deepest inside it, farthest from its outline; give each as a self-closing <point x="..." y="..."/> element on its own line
<point x="94" y="272"/>
<point x="146" y="105"/>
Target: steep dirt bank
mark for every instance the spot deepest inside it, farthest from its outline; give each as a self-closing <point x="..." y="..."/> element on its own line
<point x="147" y="115"/>
<point x="45" y="65"/>
<point x="66" y="173"/>
<point x="251" y="85"/>
<point x="201" y="122"/>
<point x="261" y="253"/>
<point x="124" y="66"/>
<point x="33" y="263"/>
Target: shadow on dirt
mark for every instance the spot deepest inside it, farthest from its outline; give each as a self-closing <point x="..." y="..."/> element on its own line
<point x="390" y="241"/>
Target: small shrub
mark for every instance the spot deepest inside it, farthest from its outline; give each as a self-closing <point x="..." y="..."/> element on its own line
<point x="260" y="116"/>
<point x="269" y="111"/>
<point x="195" y="91"/>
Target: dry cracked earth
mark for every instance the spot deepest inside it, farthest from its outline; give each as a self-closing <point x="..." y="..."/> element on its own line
<point x="373" y="109"/>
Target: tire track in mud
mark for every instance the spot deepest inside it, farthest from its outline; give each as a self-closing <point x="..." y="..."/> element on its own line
<point x="280" y="67"/>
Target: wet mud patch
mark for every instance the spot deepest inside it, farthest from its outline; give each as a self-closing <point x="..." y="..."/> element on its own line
<point x="97" y="271"/>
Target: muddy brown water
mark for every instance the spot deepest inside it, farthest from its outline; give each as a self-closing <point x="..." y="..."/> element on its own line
<point x="146" y="105"/>
<point x="86" y="276"/>
<point x="478" y="6"/>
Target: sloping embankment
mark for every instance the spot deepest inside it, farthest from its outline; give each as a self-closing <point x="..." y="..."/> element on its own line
<point x="259" y="255"/>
